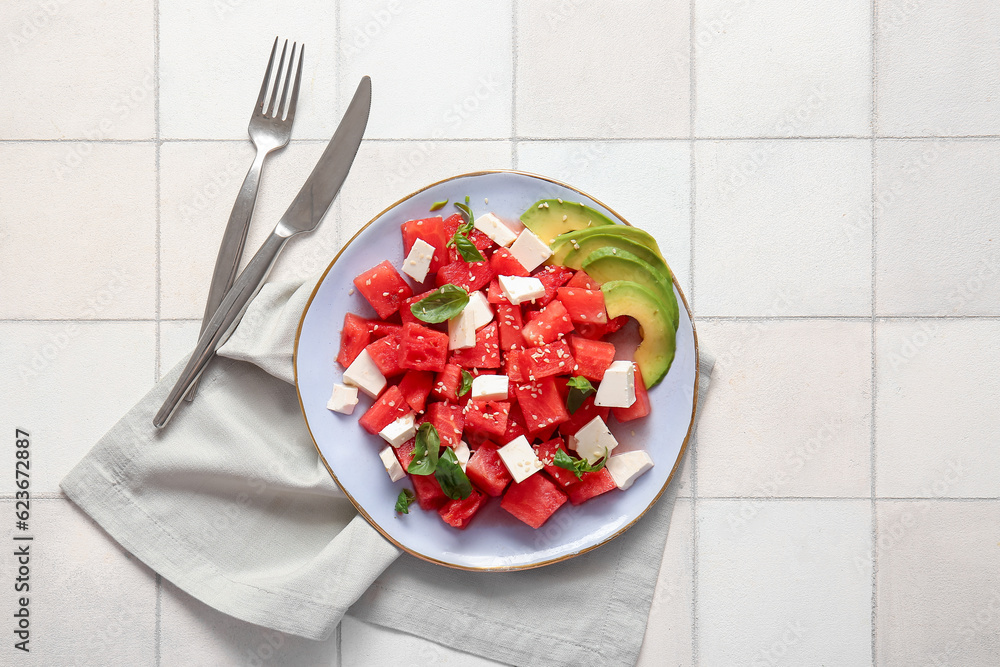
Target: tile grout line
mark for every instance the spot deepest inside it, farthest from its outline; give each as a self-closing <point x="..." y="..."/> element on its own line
<point x="691" y="264"/>
<point x="513" y="85"/>
<point x="158" y="605"/>
<point x="872" y="453"/>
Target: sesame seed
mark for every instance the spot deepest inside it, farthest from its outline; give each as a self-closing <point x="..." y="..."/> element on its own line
<point x="350" y="292"/>
<point x="559" y="200"/>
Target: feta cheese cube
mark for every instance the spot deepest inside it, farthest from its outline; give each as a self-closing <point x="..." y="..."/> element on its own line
<point x="593" y="440"/>
<point x="617" y="388"/>
<point x="479" y="310"/>
<point x="530" y="250"/>
<point x="391" y="464"/>
<point x="365" y="375"/>
<point x="418" y="260"/>
<point x="519" y="459"/>
<point x="343" y="399"/>
<point x="489" y="388"/>
<point x="399" y="431"/>
<point x="517" y="290"/>
<point x="627" y="467"/>
<point x="493" y="227"/>
<point x="462" y="328"/>
<point x="463" y="454"/>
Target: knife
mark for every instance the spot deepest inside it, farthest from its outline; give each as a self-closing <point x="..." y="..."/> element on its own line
<point x="303" y="215"/>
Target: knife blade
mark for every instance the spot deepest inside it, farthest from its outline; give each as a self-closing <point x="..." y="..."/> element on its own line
<point x="303" y="215"/>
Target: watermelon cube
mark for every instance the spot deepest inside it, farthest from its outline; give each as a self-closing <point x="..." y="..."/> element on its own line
<point x="494" y="294"/>
<point x="509" y="323"/>
<point x="593" y="357"/>
<point x="514" y="366"/>
<point x="429" y="494"/>
<point x="515" y="423"/>
<point x="354" y="337"/>
<point x="378" y="328"/>
<point x="415" y="387"/>
<point x="432" y="231"/>
<point x="422" y="349"/>
<point x="541" y="404"/>
<point x="389" y="407"/>
<point x="584" y="305"/>
<point x="582" y="280"/>
<point x="534" y="500"/>
<point x="553" y="277"/>
<point x="552" y="359"/>
<point x="385" y="353"/>
<point x="546" y="452"/>
<point x="486" y="352"/>
<point x="383" y="288"/>
<point x="448" y="382"/>
<point x="584" y="414"/>
<point x="448" y="420"/>
<point x="550" y="324"/>
<point x="638" y="409"/>
<point x="504" y="263"/>
<point x="487" y="471"/>
<point x="406" y="314"/>
<point x="480" y="240"/>
<point x="486" y="419"/>
<point x="459" y="513"/>
<point x="470" y="276"/>
<point x="592" y="484"/>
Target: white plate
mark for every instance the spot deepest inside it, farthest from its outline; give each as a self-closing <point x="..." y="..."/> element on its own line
<point x="494" y="540"/>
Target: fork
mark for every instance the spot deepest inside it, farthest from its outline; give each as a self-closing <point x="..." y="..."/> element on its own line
<point x="270" y="129"/>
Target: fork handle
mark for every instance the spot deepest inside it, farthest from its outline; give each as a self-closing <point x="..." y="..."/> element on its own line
<point x="223" y="322"/>
<point x="234" y="239"/>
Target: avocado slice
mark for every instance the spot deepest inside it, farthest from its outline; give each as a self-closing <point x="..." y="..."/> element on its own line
<point x="571" y="249"/>
<point x="609" y="264"/>
<point x="656" y="352"/>
<point x="548" y="218"/>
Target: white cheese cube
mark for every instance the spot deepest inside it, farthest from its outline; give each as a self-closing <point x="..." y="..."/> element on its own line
<point x="617" y="388"/>
<point x="489" y="388"/>
<point x="519" y="459"/>
<point x="530" y="250"/>
<point x="461" y="332"/>
<point x="399" y="431"/>
<point x="479" y="310"/>
<point x="365" y="375"/>
<point x="493" y="227"/>
<point x="628" y="467"/>
<point x="343" y="399"/>
<point x="593" y="440"/>
<point x="391" y="464"/>
<point x="463" y="454"/>
<point x="418" y="260"/>
<point x="517" y="289"/>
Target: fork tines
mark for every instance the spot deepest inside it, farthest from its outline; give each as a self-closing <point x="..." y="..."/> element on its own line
<point x="268" y="104"/>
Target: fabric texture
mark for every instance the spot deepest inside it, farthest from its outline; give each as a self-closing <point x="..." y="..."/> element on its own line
<point x="232" y="504"/>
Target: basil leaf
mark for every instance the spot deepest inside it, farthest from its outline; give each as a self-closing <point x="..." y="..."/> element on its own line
<point x="438" y="205"/>
<point x="470" y="220"/>
<point x="451" y="477"/>
<point x="425" y="451"/>
<point x="466" y="383"/>
<point x="442" y="304"/>
<point x="404" y="500"/>
<point x="467" y="249"/>
<point x="579" y="389"/>
<point x="578" y="466"/>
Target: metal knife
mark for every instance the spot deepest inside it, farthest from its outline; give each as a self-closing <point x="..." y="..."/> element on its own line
<point x="303" y="215"/>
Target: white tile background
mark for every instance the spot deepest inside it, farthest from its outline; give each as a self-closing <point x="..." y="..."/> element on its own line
<point x="821" y="176"/>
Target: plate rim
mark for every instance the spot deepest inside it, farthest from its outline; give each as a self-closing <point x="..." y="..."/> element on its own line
<point x="357" y="505"/>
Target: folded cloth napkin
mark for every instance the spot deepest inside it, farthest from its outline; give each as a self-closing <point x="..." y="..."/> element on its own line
<point x="233" y="505"/>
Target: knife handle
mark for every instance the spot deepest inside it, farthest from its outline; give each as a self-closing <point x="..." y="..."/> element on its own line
<point x="227" y="263"/>
<point x="223" y="322"/>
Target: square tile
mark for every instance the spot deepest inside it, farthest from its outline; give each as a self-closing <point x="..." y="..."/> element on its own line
<point x="937" y="246"/>
<point x="199" y="183"/>
<point x="937" y="419"/>
<point x="67" y="383"/>
<point x="90" y="602"/>
<point x="368" y="645"/>
<point x="212" y="60"/>
<point x="647" y="182"/>
<point x="633" y="80"/>
<point x="79" y="70"/>
<point x="192" y="633"/>
<point x="789" y="410"/>
<point x="937" y="64"/>
<point x="783" y="68"/>
<point x="782" y="228"/>
<point x="780" y="586"/>
<point x="80" y="230"/>
<point x="668" y="632"/>
<point x="938" y="589"/>
<point x="439" y="70"/>
<point x="177" y="341"/>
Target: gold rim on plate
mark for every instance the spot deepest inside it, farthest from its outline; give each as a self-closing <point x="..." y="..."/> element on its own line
<point x="357" y="505"/>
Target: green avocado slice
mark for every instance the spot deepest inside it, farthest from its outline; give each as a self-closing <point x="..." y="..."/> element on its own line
<point x="574" y="246"/>
<point x="608" y="264"/>
<point x="655" y="353"/>
<point x="548" y="218"/>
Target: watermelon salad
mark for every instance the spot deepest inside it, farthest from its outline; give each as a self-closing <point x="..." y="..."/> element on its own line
<point x="489" y="367"/>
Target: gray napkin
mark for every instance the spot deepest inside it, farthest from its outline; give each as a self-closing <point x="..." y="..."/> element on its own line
<point x="232" y="504"/>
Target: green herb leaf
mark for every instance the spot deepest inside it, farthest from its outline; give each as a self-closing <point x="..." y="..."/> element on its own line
<point x="578" y="466"/>
<point x="453" y="480"/>
<point x="466" y="383"/>
<point x="438" y="205"/>
<point x="404" y="500"/>
<point x="470" y="220"/>
<point x="579" y="389"/>
<point x="442" y="304"/>
<point x="467" y="249"/>
<point x="425" y="451"/>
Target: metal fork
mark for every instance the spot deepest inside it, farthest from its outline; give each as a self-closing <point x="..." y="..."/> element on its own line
<point x="270" y="128"/>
